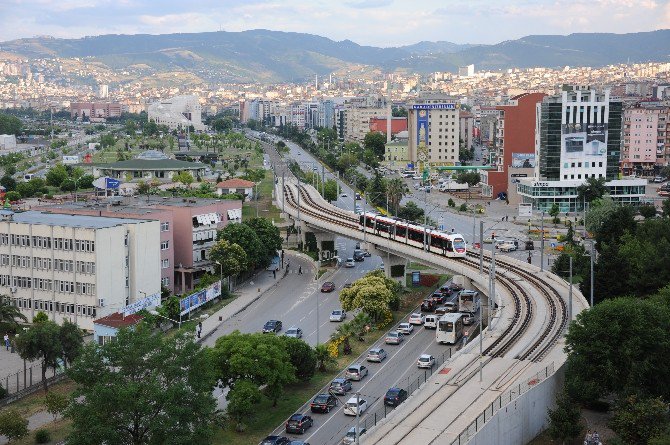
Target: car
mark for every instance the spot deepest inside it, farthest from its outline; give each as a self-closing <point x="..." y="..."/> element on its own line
<point x="376" y="355"/>
<point x="356" y="372"/>
<point x="338" y="315"/>
<point x="406" y="328"/>
<point x="507" y="247"/>
<point x="451" y="287"/>
<point x="659" y="179"/>
<point x="339" y="386"/>
<point x="381" y="266"/>
<point x="417" y="177"/>
<point x="367" y="254"/>
<point x="468" y="318"/>
<point x="478" y="159"/>
<point x="349" y="263"/>
<point x="427" y="305"/>
<point x="272" y="326"/>
<point x="298" y="442"/>
<point x="275" y="440"/>
<point x="358" y="196"/>
<point x="355" y="406"/>
<point x="449" y="307"/>
<point x="323" y="403"/>
<point x="359" y="256"/>
<point x="441" y="310"/>
<point x="346" y="285"/>
<point x="328" y="286"/>
<point x="395" y="396"/>
<point x="430" y="321"/>
<point x="299" y="423"/>
<point x="393" y="338"/>
<point x="343" y="195"/>
<point x="425" y="361"/>
<point x="438" y="298"/>
<point x="416" y="318"/>
<point x="350" y="437"/>
<point x="293" y="332"/>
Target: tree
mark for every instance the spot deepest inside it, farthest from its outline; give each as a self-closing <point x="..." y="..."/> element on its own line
<point x="184" y="177"/>
<point x="376" y="190"/>
<point x="323" y="358"/>
<point x="411" y="212"/>
<point x="41" y="342"/>
<point x="10" y="315"/>
<point x="465" y="154"/>
<point x="468" y="177"/>
<point x="565" y="421"/>
<point x="13" y="425"/>
<point x="231" y="257"/>
<point x="8" y="183"/>
<point x="647" y="211"/>
<point x="56" y="403"/>
<point x="346" y="161"/>
<point x="56" y="175"/>
<point x="72" y="341"/>
<point x="303" y="357"/>
<point x="553" y="212"/>
<point x="376" y="142"/>
<point x="10" y="124"/>
<point x="40" y="317"/>
<point x="344" y="332"/>
<point x="13" y="196"/>
<point x="142" y="388"/>
<point x="330" y="190"/>
<point x="592" y="189"/>
<point x="598" y="211"/>
<point x="372" y="294"/>
<point x="143" y="188"/>
<point x="615" y="225"/>
<point x="666" y="208"/>
<point x="242" y="401"/>
<point x="269" y="237"/>
<point x="637" y="419"/>
<point x="244" y="236"/>
<point x="222" y="125"/>
<point x="170" y="308"/>
<point x="107" y="140"/>
<point x="396" y="189"/>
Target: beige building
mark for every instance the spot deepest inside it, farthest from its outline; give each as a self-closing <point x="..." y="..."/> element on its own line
<point x="433" y="128"/>
<point x="357" y="121"/>
<point x="77" y="268"/>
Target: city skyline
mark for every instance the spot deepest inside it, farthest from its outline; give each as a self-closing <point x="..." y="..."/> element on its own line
<point x="383" y="23"/>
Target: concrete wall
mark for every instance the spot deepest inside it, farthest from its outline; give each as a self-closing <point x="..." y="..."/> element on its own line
<point x="525" y="417"/>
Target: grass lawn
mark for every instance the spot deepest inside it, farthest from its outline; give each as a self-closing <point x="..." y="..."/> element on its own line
<point x="417" y="266"/>
<point x="34" y="403"/>
<point x="58" y="430"/>
<point x="264" y="203"/>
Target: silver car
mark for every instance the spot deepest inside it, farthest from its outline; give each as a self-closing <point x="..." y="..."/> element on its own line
<point x="293" y="332"/>
<point x="376" y="355"/>
<point x="356" y="372"/>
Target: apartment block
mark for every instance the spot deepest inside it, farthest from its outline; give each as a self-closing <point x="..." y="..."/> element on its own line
<point x="644" y="139"/>
<point x="357" y="121"/>
<point x="433" y="129"/>
<point x="76" y="268"/>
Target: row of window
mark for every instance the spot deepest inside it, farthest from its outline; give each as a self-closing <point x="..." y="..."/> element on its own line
<point x="61" y="286"/>
<point x="55" y="306"/>
<point x="586" y="176"/>
<point x="44" y="242"/>
<point x="87" y="267"/>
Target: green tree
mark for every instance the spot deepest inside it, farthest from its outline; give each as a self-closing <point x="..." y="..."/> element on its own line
<point x="142" y="388"/>
<point x="269" y="237"/>
<point x="411" y="212"/>
<point x="56" y="403"/>
<point x="13" y="196"/>
<point x="565" y="421"/>
<point x="41" y="342"/>
<point x="10" y="124"/>
<point x="347" y="161"/>
<point x="10" y="315"/>
<point x="184" y="177"/>
<point x="170" y="308"/>
<point x="344" y="332"/>
<point x="244" y="236"/>
<point x="8" y="183"/>
<point x="40" y="317"/>
<point x="72" y="341"/>
<point x="323" y="358"/>
<point x="376" y="142"/>
<point x="666" y="208"/>
<point x="468" y="177"/>
<point x="396" y="190"/>
<point x="242" y="401"/>
<point x="13" y="425"/>
<point x="592" y="189"/>
<point x="598" y="211"/>
<point x="56" y="175"/>
<point x="107" y="140"/>
<point x="372" y="294"/>
<point x="303" y="357"/>
<point x="376" y="191"/>
<point x="466" y="154"/>
<point x="231" y="258"/>
<point x="638" y="419"/>
<point x="222" y="125"/>
<point x="553" y="212"/>
<point x="615" y="225"/>
<point x="143" y="188"/>
<point x="647" y="211"/>
<point x="330" y="190"/>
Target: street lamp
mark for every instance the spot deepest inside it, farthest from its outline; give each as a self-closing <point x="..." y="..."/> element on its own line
<point x="221" y="273"/>
<point x="157" y="314"/>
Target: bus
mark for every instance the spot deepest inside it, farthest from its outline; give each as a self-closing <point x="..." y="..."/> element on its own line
<point x="449" y="328"/>
<point x="468" y="301"/>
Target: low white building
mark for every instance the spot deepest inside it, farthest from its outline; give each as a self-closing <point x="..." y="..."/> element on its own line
<point x="178" y="112"/>
<point x="77" y="267"/>
<point x="7" y="142"/>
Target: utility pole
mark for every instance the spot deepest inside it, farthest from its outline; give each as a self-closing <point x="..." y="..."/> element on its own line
<point x="358" y="416"/>
<point x="592" y="254"/>
<point x="283" y="183"/>
<point x="323" y="181"/>
<point x="493" y="282"/>
<point x="542" y="243"/>
<point x="481" y="247"/>
<point x="256" y="198"/>
<point x="570" y="295"/>
<point x="481" y="341"/>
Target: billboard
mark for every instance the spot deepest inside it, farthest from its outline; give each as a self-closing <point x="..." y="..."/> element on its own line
<point x="434" y="107"/>
<point x="147" y="302"/>
<point x="197" y="299"/>
<point x="584" y="141"/>
<point x="523" y="160"/>
<point x="106" y="182"/>
<point x="422" y="127"/>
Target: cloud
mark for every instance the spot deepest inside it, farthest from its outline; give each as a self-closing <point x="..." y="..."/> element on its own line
<point x="367" y="4"/>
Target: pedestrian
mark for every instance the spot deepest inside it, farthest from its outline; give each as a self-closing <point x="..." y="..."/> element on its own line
<point x="274" y="273"/>
<point x="199" y="329"/>
<point x="453" y="230"/>
<point x="299" y="270"/>
<point x="6" y="337"/>
<point x="465" y="338"/>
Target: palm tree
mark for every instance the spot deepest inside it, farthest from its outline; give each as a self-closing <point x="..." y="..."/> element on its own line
<point x="361" y="324"/>
<point x="345" y="331"/>
<point x="9" y="315"/>
<point x="396" y="189"/>
<point x="323" y="358"/>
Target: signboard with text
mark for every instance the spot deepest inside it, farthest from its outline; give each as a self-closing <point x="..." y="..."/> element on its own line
<point x="434" y="106"/>
<point x="197" y="299"/>
<point x="148" y="302"/>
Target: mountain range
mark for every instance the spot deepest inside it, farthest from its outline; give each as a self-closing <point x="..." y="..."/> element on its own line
<point x="271" y="56"/>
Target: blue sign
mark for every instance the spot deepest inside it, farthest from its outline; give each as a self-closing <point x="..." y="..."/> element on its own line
<point x="422" y="127"/>
<point x="410" y="165"/>
<point x="553" y="245"/>
<point x="112" y="183"/>
<point x="187" y="304"/>
<point x="416" y="278"/>
<point x="434" y="107"/>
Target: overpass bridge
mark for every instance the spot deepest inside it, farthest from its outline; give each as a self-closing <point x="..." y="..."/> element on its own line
<point x="492" y="391"/>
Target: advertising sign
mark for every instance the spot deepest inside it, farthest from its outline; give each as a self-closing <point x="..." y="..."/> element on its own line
<point x="106" y="183"/>
<point x="197" y="299"/>
<point x="416" y="278"/>
<point x="584" y="141"/>
<point x="434" y="107"/>
<point x="422" y="127"/>
<point x="525" y="210"/>
<point x="70" y="159"/>
<point x="147" y="302"/>
<point x="523" y="160"/>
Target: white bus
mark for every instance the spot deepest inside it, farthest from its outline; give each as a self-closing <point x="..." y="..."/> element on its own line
<point x="449" y="328"/>
<point x="468" y="301"/>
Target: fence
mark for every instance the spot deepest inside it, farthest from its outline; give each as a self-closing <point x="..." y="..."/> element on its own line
<point x="502" y="400"/>
<point x="27" y="379"/>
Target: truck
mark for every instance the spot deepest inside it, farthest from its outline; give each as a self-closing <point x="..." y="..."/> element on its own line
<point x="70" y="159"/>
<point x="452" y="186"/>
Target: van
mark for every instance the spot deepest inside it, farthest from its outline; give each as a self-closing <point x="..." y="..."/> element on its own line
<point x="27" y="177"/>
<point x="430" y="321"/>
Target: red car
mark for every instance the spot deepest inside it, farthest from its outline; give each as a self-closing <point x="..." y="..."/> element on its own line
<point x="328" y="286"/>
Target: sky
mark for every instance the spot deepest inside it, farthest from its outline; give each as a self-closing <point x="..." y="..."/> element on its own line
<point x="367" y="22"/>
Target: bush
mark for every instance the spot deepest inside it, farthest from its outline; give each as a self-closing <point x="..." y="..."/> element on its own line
<point x="42" y="436"/>
<point x="451" y="203"/>
<point x="3" y="392"/>
<point x="463" y="208"/>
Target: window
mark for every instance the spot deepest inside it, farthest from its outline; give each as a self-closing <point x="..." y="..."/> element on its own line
<point x="165" y="281"/>
<point x="165" y="245"/>
<point x="165" y="226"/>
<point x="165" y="263"/>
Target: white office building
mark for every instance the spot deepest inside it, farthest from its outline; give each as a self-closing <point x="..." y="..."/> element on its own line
<point x="178" y="112"/>
<point x="77" y="267"/>
<point x="433" y="128"/>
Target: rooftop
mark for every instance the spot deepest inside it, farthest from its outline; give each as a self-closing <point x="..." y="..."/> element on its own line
<point x="235" y="183"/>
<point x="117" y="320"/>
<point x="139" y="204"/>
<point x="152" y="164"/>
<point x="63" y="220"/>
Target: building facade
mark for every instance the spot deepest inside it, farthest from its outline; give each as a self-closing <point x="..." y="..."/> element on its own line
<point x="357" y="121"/>
<point x="466" y="128"/>
<point x="644" y="139"/>
<point x="433" y="129"/>
<point x="179" y="112"/>
<point x="76" y="268"/>
<point x="95" y="110"/>
<point x="398" y="125"/>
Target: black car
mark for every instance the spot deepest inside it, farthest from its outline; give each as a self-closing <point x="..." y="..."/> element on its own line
<point x="275" y="440"/>
<point x="323" y="403"/>
<point x="272" y="326"/>
<point x="359" y="256"/>
<point x="438" y="298"/>
<point x="428" y="305"/>
<point x="395" y="396"/>
<point x="299" y="423"/>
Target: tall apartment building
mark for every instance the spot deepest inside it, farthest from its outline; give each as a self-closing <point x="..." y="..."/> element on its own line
<point x="433" y="129"/>
<point x="577" y="136"/>
<point x="357" y="121"/>
<point x="76" y="268"/>
<point x="644" y="139"/>
<point x="178" y="112"/>
<point x="187" y="230"/>
<point x="466" y="128"/>
<point x="513" y="153"/>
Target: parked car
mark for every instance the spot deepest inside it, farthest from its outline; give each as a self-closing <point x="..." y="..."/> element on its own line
<point x="406" y="328"/>
<point x="275" y="440"/>
<point x="272" y="326"/>
<point x="343" y="195"/>
<point x="393" y="338"/>
<point x="425" y="361"/>
<point x="293" y="332"/>
<point x="468" y="318"/>
<point x="427" y="305"/>
<point x="356" y="372"/>
<point x="416" y="318"/>
<point x="350" y="437"/>
<point x="339" y="386"/>
<point x="338" y="315"/>
<point x="376" y="355"/>
<point x="328" y="286"/>
<point x="358" y="196"/>
<point x="323" y="403"/>
<point x="395" y="396"/>
<point x="299" y="423"/>
<point x="355" y="406"/>
<point x="349" y="263"/>
<point x="659" y="179"/>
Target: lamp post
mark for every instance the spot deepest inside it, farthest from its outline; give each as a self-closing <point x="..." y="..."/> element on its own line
<point x="358" y="416"/>
<point x="221" y="272"/>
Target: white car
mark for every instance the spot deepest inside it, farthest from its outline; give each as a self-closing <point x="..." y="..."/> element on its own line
<point x="425" y="361"/>
<point x="416" y="319"/>
<point x="338" y="315"/>
<point x="353" y="406"/>
<point x="405" y="328"/>
<point x="293" y="332"/>
<point x="507" y="247"/>
<point x="350" y="263"/>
